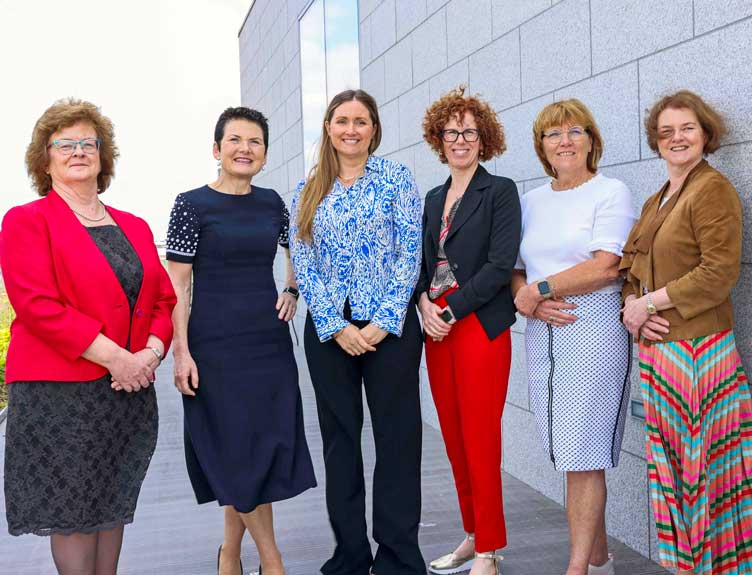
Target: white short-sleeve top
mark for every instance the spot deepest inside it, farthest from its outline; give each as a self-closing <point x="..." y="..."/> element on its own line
<point x="562" y="229"/>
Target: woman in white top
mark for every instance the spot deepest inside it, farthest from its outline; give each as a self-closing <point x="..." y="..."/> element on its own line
<point x="578" y="353"/>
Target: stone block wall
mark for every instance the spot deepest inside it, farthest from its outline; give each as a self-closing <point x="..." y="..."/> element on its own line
<point x="616" y="56"/>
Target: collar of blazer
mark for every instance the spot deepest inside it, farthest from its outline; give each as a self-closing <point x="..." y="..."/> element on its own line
<point x="642" y="240"/>
<point x="76" y="239"/>
<point x="470" y="201"/>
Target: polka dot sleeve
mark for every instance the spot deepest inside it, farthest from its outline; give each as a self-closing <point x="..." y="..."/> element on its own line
<point x="183" y="231"/>
<point x="284" y="228"/>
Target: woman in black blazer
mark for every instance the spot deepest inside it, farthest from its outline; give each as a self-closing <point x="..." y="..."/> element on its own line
<point x="471" y="234"/>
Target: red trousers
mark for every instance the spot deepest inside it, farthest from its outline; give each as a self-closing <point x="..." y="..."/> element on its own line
<point x="469" y="376"/>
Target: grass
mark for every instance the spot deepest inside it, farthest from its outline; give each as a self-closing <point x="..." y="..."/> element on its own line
<point x="6" y="316"/>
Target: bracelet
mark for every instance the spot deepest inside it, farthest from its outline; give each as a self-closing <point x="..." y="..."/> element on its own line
<point x="156" y="352"/>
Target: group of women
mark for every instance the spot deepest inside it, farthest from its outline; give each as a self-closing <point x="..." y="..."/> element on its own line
<point x="96" y="312"/>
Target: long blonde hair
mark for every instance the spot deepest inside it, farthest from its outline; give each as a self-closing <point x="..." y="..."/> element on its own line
<point x="322" y="175"/>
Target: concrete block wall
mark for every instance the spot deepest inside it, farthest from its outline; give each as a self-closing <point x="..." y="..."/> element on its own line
<point x="616" y="56"/>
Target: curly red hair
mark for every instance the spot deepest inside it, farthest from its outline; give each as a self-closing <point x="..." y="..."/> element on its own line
<point x="455" y="104"/>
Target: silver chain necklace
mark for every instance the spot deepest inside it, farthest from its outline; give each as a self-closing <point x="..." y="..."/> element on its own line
<point x="93" y="220"/>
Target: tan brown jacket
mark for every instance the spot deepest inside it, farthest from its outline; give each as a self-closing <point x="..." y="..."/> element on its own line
<point x="692" y="246"/>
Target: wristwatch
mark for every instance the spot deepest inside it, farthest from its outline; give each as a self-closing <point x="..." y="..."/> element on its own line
<point x="652" y="310"/>
<point x="447" y="315"/>
<point x="544" y="289"/>
<point x="294" y="292"/>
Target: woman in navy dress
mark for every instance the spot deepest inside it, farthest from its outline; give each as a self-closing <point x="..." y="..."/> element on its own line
<point x="245" y="444"/>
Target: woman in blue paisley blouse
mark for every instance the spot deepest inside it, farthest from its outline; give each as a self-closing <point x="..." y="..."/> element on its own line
<point x="355" y="241"/>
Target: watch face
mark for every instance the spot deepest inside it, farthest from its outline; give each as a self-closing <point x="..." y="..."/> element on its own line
<point x="543" y="288"/>
<point x="447" y="316"/>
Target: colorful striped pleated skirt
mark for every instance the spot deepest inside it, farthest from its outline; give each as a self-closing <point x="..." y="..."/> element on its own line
<point x="698" y="416"/>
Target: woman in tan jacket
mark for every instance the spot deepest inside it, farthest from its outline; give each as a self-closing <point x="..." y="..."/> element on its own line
<point x="681" y="261"/>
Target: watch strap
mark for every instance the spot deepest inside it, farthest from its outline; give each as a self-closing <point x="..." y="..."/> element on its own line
<point x="294" y="292"/>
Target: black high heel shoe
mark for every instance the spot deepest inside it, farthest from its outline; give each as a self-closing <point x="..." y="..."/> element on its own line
<point x="219" y="556"/>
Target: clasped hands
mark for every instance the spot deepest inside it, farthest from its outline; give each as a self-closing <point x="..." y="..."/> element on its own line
<point x="132" y="371"/>
<point x="436" y="328"/>
<point x="531" y="304"/>
<point x="639" y="322"/>
<point x="357" y="341"/>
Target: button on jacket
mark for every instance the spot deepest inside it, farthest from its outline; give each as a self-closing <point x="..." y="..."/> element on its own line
<point x="366" y="249"/>
<point x="691" y="246"/>
<point x="65" y="293"/>
<point x="481" y="248"/>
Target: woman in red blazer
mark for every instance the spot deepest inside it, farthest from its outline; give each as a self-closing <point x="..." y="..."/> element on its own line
<point x="93" y="306"/>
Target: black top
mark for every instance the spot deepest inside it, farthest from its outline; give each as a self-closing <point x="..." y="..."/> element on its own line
<point x="481" y="248"/>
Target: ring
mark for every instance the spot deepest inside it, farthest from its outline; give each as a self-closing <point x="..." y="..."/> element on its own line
<point x="550" y="319"/>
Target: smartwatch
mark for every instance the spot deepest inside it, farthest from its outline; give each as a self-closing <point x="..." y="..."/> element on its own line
<point x="544" y="289"/>
<point x="294" y="292"/>
<point x="446" y="315"/>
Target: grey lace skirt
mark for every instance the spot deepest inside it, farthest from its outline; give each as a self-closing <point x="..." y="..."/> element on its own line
<point x="76" y="454"/>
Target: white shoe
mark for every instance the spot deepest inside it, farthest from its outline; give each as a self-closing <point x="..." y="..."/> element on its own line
<point x="606" y="569"/>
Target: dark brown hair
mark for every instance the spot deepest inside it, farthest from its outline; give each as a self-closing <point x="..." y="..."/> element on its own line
<point x="63" y="114"/>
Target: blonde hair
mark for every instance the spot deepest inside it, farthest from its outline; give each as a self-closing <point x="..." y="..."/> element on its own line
<point x="322" y="175"/>
<point x="64" y="114"/>
<point x="570" y="111"/>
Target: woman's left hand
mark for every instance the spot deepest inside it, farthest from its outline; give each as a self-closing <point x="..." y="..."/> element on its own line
<point x="634" y="314"/>
<point x="527" y="299"/>
<point x="147" y="358"/>
<point x="287" y="305"/>
<point x="373" y="334"/>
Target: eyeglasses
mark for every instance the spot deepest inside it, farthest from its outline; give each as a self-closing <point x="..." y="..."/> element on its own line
<point x="575" y="134"/>
<point x="67" y="147"/>
<point x="469" y="135"/>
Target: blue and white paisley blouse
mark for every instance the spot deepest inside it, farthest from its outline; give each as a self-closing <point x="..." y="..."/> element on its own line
<point x="366" y="248"/>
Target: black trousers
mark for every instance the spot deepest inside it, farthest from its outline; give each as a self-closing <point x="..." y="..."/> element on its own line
<point x="390" y="377"/>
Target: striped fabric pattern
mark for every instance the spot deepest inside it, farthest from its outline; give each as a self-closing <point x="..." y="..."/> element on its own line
<point x="698" y="416"/>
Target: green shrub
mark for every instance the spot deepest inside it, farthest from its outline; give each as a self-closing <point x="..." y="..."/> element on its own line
<point x="6" y="316"/>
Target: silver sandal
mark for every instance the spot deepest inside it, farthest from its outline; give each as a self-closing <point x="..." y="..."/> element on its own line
<point x="492" y="555"/>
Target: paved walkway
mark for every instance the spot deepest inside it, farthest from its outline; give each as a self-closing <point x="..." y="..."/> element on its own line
<point x="174" y="536"/>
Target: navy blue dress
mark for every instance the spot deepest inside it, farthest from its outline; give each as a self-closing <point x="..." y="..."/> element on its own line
<point x="244" y="436"/>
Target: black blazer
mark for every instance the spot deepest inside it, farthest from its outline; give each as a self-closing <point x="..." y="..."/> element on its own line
<point x="481" y="248"/>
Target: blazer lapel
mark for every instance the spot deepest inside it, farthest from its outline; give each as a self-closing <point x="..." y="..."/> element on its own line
<point x="471" y="199"/>
<point x="644" y="242"/>
<point x="435" y="211"/>
<point x="78" y="241"/>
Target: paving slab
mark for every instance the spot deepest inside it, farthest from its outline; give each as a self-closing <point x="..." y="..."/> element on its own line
<point x="172" y="535"/>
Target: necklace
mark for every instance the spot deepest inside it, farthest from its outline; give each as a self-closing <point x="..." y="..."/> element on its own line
<point x="349" y="180"/>
<point x="94" y="220"/>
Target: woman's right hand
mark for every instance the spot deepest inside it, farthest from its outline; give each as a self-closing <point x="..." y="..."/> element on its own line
<point x="549" y="311"/>
<point x="186" y="373"/>
<point x="654" y="327"/>
<point x="352" y="341"/>
<point x="436" y="328"/>
<point x="129" y="371"/>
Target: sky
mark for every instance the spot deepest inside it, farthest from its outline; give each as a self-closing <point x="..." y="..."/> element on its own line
<point x="329" y="63"/>
<point x="161" y="70"/>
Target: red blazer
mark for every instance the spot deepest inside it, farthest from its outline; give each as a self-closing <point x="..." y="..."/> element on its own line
<point x="64" y="292"/>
